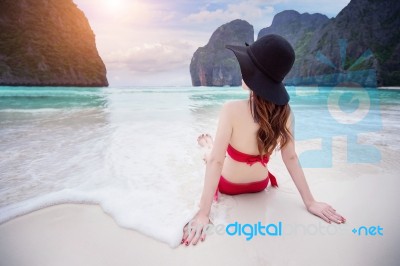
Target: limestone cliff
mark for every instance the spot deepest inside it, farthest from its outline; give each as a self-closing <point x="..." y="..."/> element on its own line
<point x="47" y="43"/>
<point x="213" y="64"/>
<point x="360" y="47"/>
<point x="295" y="27"/>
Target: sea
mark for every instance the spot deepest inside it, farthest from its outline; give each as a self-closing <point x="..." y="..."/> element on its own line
<point x="134" y="151"/>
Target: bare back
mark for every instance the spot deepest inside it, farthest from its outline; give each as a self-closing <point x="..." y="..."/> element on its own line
<point x="243" y="139"/>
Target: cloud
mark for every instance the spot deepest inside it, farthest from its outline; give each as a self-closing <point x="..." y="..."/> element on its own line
<point x="127" y="13"/>
<point x="256" y="12"/>
<point x="138" y="39"/>
<point x="151" y="57"/>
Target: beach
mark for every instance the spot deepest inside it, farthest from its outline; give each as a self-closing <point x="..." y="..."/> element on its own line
<point x="76" y="234"/>
<point x="106" y="113"/>
<point x="109" y="215"/>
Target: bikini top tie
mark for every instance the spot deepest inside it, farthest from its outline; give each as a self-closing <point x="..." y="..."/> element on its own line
<point x="247" y="158"/>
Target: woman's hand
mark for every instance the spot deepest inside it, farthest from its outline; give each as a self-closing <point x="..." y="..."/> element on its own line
<point x="195" y="229"/>
<point x="325" y="212"/>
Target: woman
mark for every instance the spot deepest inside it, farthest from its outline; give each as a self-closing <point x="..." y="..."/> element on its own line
<point x="249" y="131"/>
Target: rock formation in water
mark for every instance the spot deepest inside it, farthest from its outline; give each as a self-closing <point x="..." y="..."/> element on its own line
<point x="295" y="27"/>
<point x="299" y="29"/>
<point x="213" y="64"/>
<point x="360" y="46"/>
<point x="47" y="43"/>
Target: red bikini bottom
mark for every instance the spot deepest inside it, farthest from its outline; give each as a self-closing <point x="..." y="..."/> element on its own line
<point x="230" y="188"/>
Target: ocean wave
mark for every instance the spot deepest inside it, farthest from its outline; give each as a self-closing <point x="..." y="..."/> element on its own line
<point x="36" y="110"/>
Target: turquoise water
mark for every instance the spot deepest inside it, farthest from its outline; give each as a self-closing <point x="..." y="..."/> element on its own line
<point x="134" y="150"/>
<point x="23" y="98"/>
<point x="50" y="97"/>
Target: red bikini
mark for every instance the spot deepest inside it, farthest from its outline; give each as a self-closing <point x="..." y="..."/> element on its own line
<point x="227" y="187"/>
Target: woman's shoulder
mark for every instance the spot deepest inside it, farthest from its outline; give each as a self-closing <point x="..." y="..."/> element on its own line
<point x="235" y="104"/>
<point x="234" y="108"/>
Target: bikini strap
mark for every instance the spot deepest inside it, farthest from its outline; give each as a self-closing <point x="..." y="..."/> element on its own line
<point x="272" y="178"/>
<point x="247" y="158"/>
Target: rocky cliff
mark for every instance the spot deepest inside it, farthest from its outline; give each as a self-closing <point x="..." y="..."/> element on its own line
<point x="360" y="46"/>
<point x="299" y="29"/>
<point x="295" y="27"/>
<point x="213" y="64"/>
<point x="47" y="43"/>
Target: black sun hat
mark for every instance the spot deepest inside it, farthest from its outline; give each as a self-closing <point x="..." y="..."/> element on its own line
<point x="264" y="64"/>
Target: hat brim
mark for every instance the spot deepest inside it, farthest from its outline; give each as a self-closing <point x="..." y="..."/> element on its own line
<point x="256" y="80"/>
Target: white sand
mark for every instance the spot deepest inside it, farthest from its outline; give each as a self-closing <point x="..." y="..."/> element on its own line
<point x="365" y="194"/>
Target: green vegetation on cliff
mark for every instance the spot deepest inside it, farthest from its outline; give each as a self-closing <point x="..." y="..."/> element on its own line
<point x="360" y="46"/>
<point x="47" y="43"/>
<point x="213" y="64"/>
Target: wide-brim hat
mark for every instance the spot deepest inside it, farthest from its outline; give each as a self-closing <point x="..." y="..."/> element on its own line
<point x="264" y="64"/>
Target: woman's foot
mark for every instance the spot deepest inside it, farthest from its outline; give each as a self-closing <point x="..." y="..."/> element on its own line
<point x="205" y="141"/>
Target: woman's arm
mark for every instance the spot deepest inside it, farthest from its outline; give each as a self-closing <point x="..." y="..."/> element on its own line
<point x="289" y="157"/>
<point x="214" y="166"/>
<point x="216" y="159"/>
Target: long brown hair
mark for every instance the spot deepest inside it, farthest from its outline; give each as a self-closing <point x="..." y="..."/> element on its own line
<point x="272" y="119"/>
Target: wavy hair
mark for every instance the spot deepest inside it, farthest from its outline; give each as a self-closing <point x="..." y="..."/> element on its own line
<point x="272" y="119"/>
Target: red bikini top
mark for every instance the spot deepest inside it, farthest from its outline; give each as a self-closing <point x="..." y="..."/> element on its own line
<point x="247" y="158"/>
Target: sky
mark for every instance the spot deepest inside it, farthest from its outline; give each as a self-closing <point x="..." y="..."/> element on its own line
<point x="151" y="42"/>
